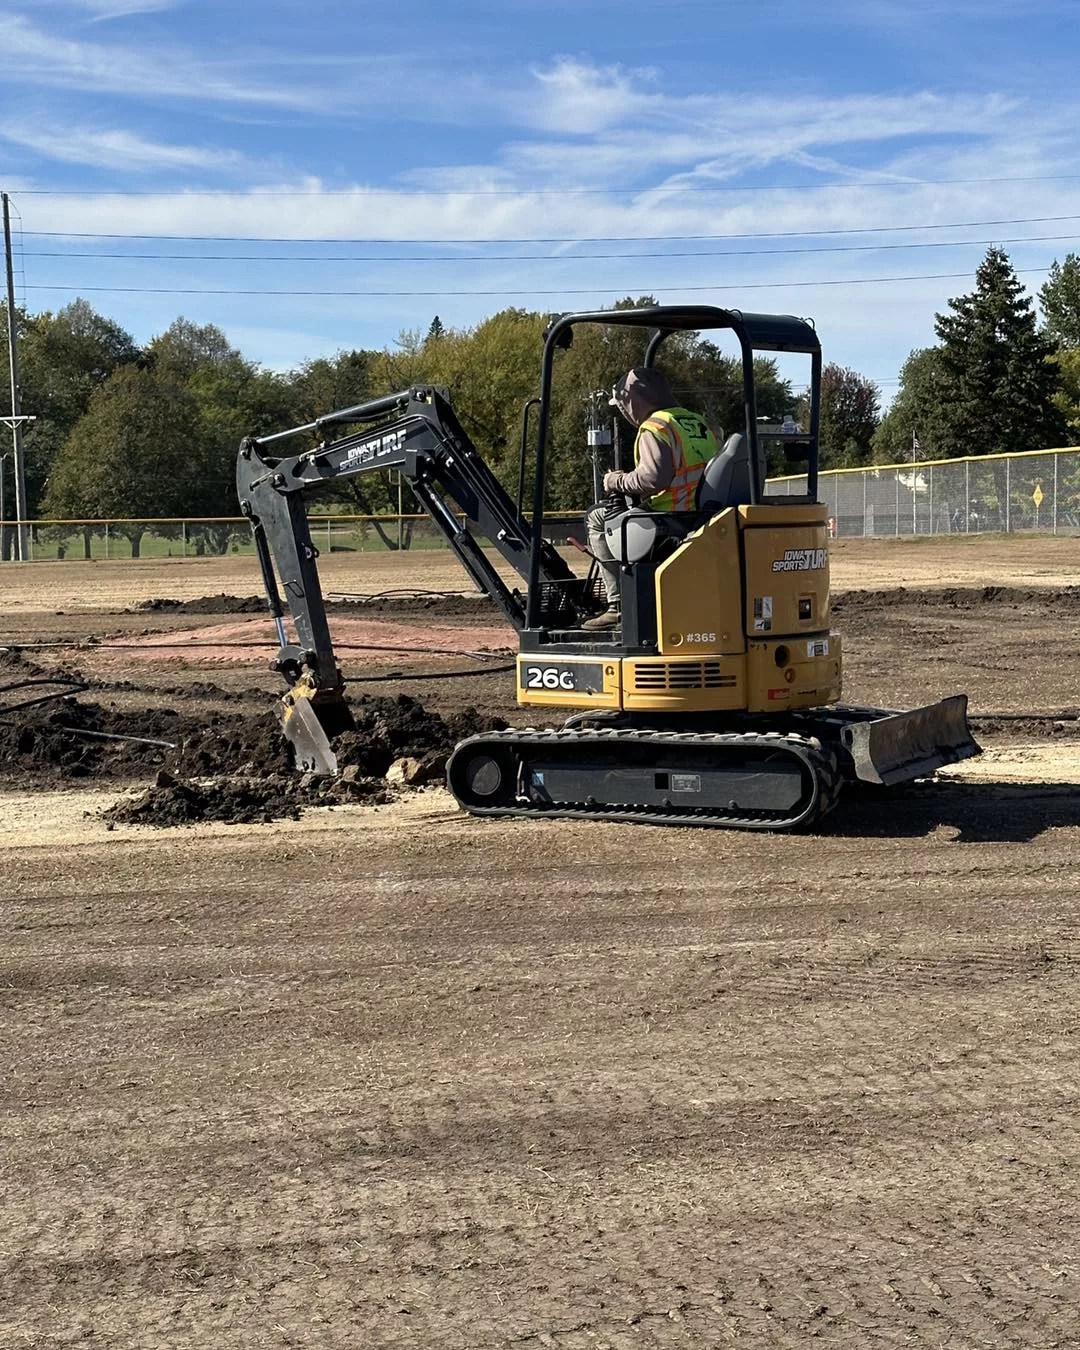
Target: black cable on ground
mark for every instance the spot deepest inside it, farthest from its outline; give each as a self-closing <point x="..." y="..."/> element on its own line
<point x="68" y="686"/>
<point x="430" y="675"/>
<point x="105" y="735"/>
<point x="121" y="645"/>
<point x="401" y="593"/>
<point x="70" y="680"/>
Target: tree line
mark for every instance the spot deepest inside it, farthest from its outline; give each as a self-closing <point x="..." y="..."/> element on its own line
<point x="152" y="431"/>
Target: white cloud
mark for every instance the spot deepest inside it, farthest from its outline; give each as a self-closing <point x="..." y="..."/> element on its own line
<point x="611" y="124"/>
<point x="121" y="9"/>
<point x="97" y="10"/>
<point x="653" y="160"/>
<point x="30" y="55"/>
<point x="117" y="149"/>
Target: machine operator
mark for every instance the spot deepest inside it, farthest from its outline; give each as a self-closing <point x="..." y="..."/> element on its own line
<point x="671" y="449"/>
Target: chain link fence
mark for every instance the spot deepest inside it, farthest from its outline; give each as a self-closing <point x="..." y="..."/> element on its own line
<point x="1037" y="490"/>
<point x="1007" y="493"/>
<point x="216" y="536"/>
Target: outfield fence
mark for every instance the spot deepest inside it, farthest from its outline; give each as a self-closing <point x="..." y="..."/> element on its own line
<point x="217" y="536"/>
<point x="1034" y="491"/>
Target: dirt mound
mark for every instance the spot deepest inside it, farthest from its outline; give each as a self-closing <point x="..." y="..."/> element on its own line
<point x="73" y="739"/>
<point x="171" y="801"/>
<point x="207" y="604"/>
<point x="418" y="603"/>
<point x="224" y="766"/>
<point x="1065" y="599"/>
<point x="1034" y="727"/>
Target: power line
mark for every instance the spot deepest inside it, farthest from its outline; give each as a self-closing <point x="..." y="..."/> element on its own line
<point x="588" y="239"/>
<point x="396" y="191"/>
<point x="588" y="290"/>
<point x="551" y="257"/>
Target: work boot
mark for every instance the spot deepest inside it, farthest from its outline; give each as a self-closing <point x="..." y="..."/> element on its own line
<point x="611" y="618"/>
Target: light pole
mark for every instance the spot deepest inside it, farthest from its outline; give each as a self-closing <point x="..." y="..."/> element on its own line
<point x="599" y="436"/>
<point x="21" y="549"/>
<point x="16" y="420"/>
<point x="3" y="514"/>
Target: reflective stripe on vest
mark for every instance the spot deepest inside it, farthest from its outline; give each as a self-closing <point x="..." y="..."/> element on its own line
<point x="692" y="445"/>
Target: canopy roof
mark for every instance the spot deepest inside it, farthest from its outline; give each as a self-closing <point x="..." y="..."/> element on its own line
<point x="763" y="332"/>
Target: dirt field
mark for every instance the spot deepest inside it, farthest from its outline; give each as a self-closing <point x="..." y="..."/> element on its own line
<point x="387" y="1075"/>
<point x="972" y="560"/>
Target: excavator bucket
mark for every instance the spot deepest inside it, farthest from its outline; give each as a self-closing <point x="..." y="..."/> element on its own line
<point x="306" y="730"/>
<point x="312" y="751"/>
<point x="896" y="747"/>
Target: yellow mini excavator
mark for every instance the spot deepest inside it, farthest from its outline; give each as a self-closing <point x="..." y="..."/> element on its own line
<point x="716" y="703"/>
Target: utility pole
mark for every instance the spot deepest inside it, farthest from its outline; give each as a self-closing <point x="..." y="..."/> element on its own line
<point x="16" y="420"/>
<point x="599" y="438"/>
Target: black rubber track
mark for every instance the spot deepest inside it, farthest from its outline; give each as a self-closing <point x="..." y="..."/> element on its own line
<point x="820" y="763"/>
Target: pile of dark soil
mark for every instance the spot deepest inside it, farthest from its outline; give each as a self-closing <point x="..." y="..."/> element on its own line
<point x="207" y="604"/>
<point x="219" y="765"/>
<point x="403" y="606"/>
<point x="239" y="801"/>
<point x="73" y="739"/>
<point x="47" y="741"/>
<point x="1036" y="727"/>
<point x="1064" y="600"/>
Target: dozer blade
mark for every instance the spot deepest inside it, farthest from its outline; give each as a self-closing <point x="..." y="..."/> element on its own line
<point x="897" y="747"/>
<point x="307" y="736"/>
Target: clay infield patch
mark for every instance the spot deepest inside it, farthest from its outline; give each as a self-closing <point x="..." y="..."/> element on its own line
<point x="253" y="641"/>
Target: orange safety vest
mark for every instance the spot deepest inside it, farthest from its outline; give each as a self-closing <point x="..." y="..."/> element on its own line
<point x="692" y="445"/>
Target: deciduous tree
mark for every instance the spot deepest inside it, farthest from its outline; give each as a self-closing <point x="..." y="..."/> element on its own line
<point x="850" y="415"/>
<point x="233" y="398"/>
<point x="917" y="410"/>
<point x="130" y="455"/>
<point x="63" y="358"/>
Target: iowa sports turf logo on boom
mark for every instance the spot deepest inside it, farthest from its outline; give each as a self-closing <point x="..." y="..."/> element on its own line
<point x="801" y="560"/>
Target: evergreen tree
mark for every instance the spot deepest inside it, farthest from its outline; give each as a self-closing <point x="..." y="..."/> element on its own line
<point x="1068" y="400"/>
<point x="436" y="330"/>
<point x="1060" y="301"/>
<point x="999" y="381"/>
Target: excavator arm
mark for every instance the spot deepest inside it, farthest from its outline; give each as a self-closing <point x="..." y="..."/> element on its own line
<point x="416" y="433"/>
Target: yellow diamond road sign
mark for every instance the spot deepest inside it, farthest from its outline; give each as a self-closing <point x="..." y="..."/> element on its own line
<point x="1037" y="495"/>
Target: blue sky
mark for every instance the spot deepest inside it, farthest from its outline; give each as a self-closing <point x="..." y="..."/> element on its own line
<point x="394" y="135"/>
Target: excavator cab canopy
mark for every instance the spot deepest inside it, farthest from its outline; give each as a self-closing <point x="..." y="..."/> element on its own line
<point x="754" y="332"/>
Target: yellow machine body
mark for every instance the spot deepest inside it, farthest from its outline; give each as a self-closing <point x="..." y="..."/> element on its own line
<point x="742" y="610"/>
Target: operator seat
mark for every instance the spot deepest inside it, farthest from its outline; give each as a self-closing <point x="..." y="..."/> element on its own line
<point x="726" y="480"/>
<point x="636" y="534"/>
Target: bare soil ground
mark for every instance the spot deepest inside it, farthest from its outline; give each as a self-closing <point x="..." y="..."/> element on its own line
<point x="387" y="1075"/>
<point x="949" y="560"/>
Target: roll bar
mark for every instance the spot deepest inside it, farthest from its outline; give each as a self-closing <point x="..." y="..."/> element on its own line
<point x="755" y="332"/>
